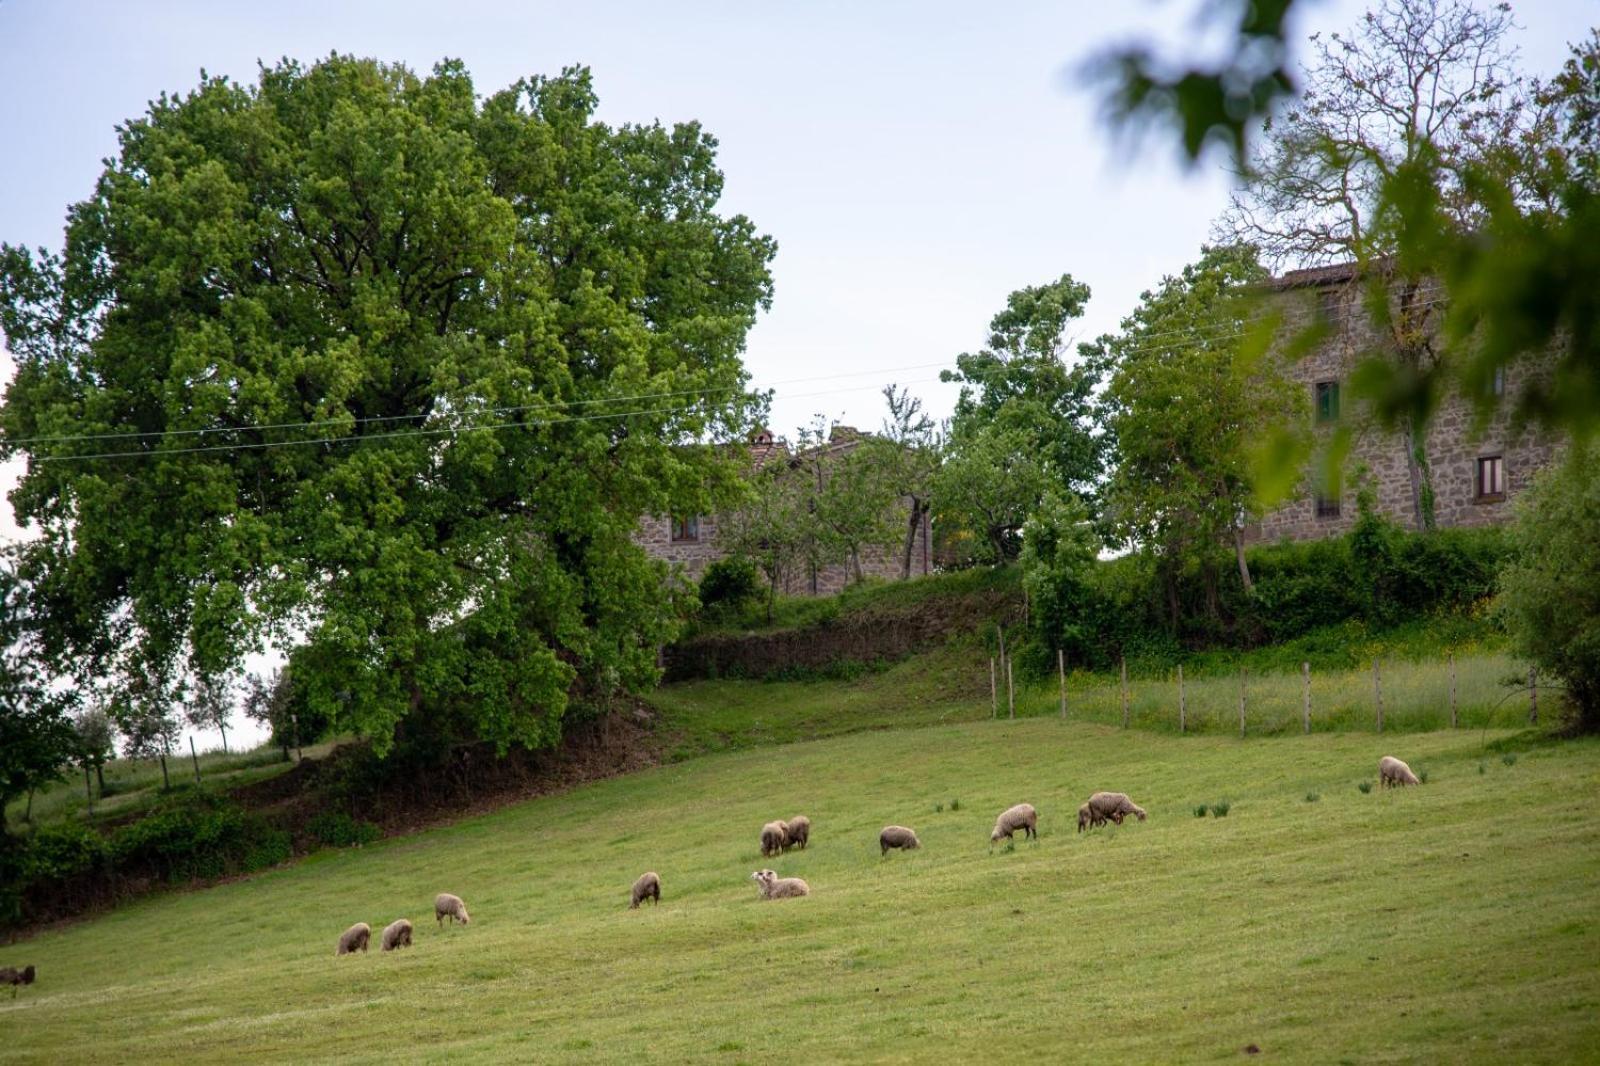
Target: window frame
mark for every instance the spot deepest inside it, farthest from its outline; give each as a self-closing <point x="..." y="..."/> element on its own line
<point x="1320" y="389"/>
<point x="684" y="529"/>
<point x="1498" y="469"/>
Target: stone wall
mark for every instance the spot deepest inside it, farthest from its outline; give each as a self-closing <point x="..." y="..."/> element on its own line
<point x="1455" y="442"/>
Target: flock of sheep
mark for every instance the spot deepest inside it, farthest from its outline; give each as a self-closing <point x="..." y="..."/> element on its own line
<point x="779" y="836"/>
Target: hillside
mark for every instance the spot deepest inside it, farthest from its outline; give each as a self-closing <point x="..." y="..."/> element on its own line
<point x="1439" y="922"/>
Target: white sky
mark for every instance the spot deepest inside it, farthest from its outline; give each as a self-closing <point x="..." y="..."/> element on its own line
<point x="916" y="162"/>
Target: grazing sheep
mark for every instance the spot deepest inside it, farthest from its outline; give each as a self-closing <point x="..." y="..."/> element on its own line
<point x="1392" y="772"/>
<point x="797" y="830"/>
<point x="446" y="905"/>
<point x="14" y="977"/>
<point x="397" y="934"/>
<point x="1089" y="818"/>
<point x="354" y="939"/>
<point x="1022" y="817"/>
<point x="897" y="836"/>
<point x="647" y="887"/>
<point x="774" y="835"/>
<point x="1110" y="805"/>
<point x="774" y="887"/>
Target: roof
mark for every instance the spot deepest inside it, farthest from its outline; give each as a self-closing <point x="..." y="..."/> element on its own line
<point x="1332" y="274"/>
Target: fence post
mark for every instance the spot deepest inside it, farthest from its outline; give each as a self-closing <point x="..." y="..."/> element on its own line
<point x="1305" y="698"/>
<point x="196" y="759"/>
<point x="1241" y="703"/>
<point x="1011" y="692"/>
<point x="1124" y="662"/>
<point x="1061" y="671"/>
<point x="1377" y="693"/>
<point x="1452" y="658"/>
<point x="994" y="693"/>
<point x="1533" y="696"/>
<point x="1181" y="707"/>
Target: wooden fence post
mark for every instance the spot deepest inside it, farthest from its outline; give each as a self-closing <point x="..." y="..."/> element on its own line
<point x="1533" y="696"/>
<point x="1011" y="692"/>
<point x="1241" y="703"/>
<point x="1377" y="693"/>
<point x="1452" y="658"/>
<point x="1181" y="707"/>
<point x="1305" y="698"/>
<point x="196" y="759"/>
<point x="1124" y="662"/>
<point x="994" y="692"/>
<point x="1061" y="671"/>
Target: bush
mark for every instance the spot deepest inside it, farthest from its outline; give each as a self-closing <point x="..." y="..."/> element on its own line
<point x="336" y="829"/>
<point x="1364" y="786"/>
<point x="1220" y="810"/>
<point x="728" y="585"/>
<point x="1550" y="592"/>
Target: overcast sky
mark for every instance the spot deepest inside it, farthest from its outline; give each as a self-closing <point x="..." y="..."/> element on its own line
<point x="916" y="162"/>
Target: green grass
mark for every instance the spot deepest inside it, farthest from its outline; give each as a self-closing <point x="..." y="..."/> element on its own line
<point x="1438" y="923"/>
<point x="133" y="785"/>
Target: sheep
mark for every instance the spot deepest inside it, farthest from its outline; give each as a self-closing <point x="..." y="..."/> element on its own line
<point x="354" y="939"/>
<point x="897" y="836"/>
<point x="1090" y="818"/>
<point x="450" y="906"/>
<point x="14" y="977"/>
<point x="1109" y="805"/>
<point x="772" y="886"/>
<point x="797" y="830"/>
<point x="774" y="835"/>
<point x="1022" y="817"/>
<point x="1393" y="772"/>
<point x="647" y="887"/>
<point x="397" y="934"/>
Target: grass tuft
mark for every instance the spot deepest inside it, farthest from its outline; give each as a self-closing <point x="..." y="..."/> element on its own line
<point x="1312" y="797"/>
<point x="1364" y="786"/>
<point x="1509" y="758"/>
<point x="1220" y="810"/>
<point x="1200" y="811"/>
<point x="955" y="805"/>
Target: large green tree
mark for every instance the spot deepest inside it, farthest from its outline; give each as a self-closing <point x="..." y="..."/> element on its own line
<point x="358" y="363"/>
<point x="1191" y="393"/>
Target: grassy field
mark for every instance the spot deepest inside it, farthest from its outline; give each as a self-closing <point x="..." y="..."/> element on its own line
<point x="1434" y="923"/>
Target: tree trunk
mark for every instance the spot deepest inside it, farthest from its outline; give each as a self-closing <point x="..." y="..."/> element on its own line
<point x="912" y="524"/>
<point x="1172" y="599"/>
<point x="772" y="596"/>
<point x="1238" y="550"/>
<point x="224" y="730"/>
<point x="855" y="563"/>
<point x="27" y="814"/>
<point x="1420" y="476"/>
<point x="100" y="776"/>
<point x="1213" y="610"/>
<point x="166" y="783"/>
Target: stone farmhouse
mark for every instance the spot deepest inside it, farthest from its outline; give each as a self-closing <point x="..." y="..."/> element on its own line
<point x="1477" y="471"/>
<point x="690" y="541"/>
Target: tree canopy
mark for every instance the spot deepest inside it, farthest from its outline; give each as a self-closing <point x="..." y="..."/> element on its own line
<point x="358" y="363"/>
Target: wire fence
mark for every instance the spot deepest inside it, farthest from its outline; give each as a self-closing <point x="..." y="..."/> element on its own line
<point x="1469" y="692"/>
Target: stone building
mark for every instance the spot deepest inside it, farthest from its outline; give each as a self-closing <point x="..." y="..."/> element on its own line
<point x="1476" y="470"/>
<point x="690" y="541"/>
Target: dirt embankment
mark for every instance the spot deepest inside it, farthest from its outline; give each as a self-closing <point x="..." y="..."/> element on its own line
<point x="869" y="634"/>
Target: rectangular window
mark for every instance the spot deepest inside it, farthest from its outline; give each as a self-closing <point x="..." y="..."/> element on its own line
<point x="1498" y="384"/>
<point x="1327" y="505"/>
<point x="1491" y="478"/>
<point x="685" y="529"/>
<point x="1327" y="394"/>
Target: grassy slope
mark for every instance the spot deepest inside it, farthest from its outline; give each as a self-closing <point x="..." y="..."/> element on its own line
<point x="1440" y="922"/>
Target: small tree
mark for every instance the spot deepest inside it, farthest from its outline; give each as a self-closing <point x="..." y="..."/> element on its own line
<point x="856" y="504"/>
<point x="1550" y="593"/>
<point x="1059" y="547"/>
<point x="269" y="701"/>
<point x="36" y="737"/>
<point x="148" y="727"/>
<point x="96" y="743"/>
<point x="915" y="460"/>
<point x="211" y="705"/>
<point x="993" y="478"/>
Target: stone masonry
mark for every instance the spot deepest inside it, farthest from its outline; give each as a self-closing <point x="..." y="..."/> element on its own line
<point x="1456" y="444"/>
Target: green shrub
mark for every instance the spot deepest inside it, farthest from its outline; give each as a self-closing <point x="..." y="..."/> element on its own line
<point x="1422" y="776"/>
<point x="955" y="805"/>
<point x="1364" y="786"/>
<point x="938" y="808"/>
<point x="1312" y="797"/>
<point x="1220" y="810"/>
<point x="336" y="829"/>
<point x="728" y="585"/>
<point x="1200" y="811"/>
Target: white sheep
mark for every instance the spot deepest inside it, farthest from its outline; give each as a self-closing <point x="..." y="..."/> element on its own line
<point x="1114" y="806"/>
<point x="1393" y="772"/>
<point x="772" y="886"/>
<point x="774" y="835"/>
<point x="897" y="836"/>
<point x="647" y="887"/>
<point x="397" y="934"/>
<point x="797" y="830"/>
<point x="1022" y="817"/>
<point x="449" y="906"/>
<point x="354" y="939"/>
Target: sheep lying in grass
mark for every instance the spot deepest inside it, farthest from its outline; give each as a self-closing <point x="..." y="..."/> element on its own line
<point x="1113" y="806"/>
<point x="1393" y="772"/>
<point x="1022" y="817"/>
<point x="397" y="934"/>
<point x="647" y="887"/>
<point x="774" y="835"/>
<point x="797" y="831"/>
<point x="897" y="836"/>
<point x="772" y="886"/>
<point x="449" y="906"/>
<point x="354" y="939"/>
<point x="11" y="976"/>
